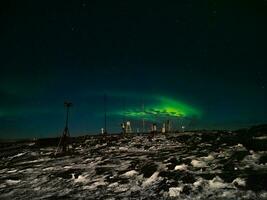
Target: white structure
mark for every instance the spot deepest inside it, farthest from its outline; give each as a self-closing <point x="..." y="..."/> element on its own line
<point x="154" y="128"/>
<point x="128" y="128"/>
<point x="163" y="130"/>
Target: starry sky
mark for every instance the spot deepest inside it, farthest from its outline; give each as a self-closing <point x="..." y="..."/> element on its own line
<point x="201" y="64"/>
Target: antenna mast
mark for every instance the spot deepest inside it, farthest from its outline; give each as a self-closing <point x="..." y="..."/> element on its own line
<point x="63" y="142"/>
<point x="143" y="120"/>
<point x="105" y="117"/>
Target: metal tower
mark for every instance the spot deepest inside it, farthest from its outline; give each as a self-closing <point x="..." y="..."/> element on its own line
<point x="63" y="142"/>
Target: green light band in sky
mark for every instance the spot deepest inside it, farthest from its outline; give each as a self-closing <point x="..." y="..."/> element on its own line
<point x="164" y="107"/>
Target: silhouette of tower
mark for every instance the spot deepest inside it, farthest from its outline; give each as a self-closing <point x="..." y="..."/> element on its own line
<point x="63" y="142"/>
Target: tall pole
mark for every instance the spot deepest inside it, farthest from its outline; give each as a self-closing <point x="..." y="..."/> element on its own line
<point x="105" y="108"/>
<point x="123" y="125"/>
<point x="124" y="110"/>
<point x="143" y="120"/>
<point x="67" y="105"/>
<point x="67" y="117"/>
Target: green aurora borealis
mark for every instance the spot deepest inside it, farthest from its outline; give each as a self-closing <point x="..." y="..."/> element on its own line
<point x="161" y="107"/>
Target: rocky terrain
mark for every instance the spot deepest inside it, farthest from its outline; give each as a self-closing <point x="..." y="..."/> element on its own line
<point x="190" y="165"/>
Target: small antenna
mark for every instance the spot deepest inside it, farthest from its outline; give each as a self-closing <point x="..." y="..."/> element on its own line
<point x="124" y="110"/>
<point x="105" y="115"/>
<point x="123" y="124"/>
<point x="143" y="120"/>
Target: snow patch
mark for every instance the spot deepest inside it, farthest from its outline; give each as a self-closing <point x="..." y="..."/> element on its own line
<point x="67" y="167"/>
<point x="95" y="185"/>
<point x="49" y="169"/>
<point x="260" y="138"/>
<point x="263" y="195"/>
<point x="12" y="171"/>
<point x="80" y="179"/>
<point x="208" y="158"/>
<point x="123" y="149"/>
<point x="130" y="173"/>
<point x="199" y="182"/>
<point x="122" y="188"/>
<point x="217" y="183"/>
<point x="116" y="184"/>
<point x="198" y="163"/>
<point x="12" y="182"/>
<point x="239" y="145"/>
<point x="182" y="167"/>
<point x="240" y="182"/>
<point x="151" y="179"/>
<point x="228" y="195"/>
<point x="175" y="191"/>
<point x="18" y="155"/>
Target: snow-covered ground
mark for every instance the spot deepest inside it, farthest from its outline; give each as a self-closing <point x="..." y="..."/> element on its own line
<point x="137" y="168"/>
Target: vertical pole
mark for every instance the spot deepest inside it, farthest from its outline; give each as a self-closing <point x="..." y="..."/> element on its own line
<point x="124" y="117"/>
<point x="105" y="107"/>
<point x="67" y="117"/>
<point x="64" y="138"/>
<point x="143" y="120"/>
<point x="124" y="114"/>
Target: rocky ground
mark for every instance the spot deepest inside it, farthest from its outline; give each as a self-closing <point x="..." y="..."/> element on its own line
<point x="192" y="165"/>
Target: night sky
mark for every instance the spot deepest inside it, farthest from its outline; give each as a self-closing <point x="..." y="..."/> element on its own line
<point x="201" y="64"/>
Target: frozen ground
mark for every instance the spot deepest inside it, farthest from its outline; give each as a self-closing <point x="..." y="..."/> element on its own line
<point x="184" y="166"/>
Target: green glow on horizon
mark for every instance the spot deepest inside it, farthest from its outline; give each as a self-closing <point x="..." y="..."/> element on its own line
<point x="164" y="107"/>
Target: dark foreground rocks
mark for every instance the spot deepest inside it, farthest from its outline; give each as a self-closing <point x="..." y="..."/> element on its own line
<point x="190" y="165"/>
